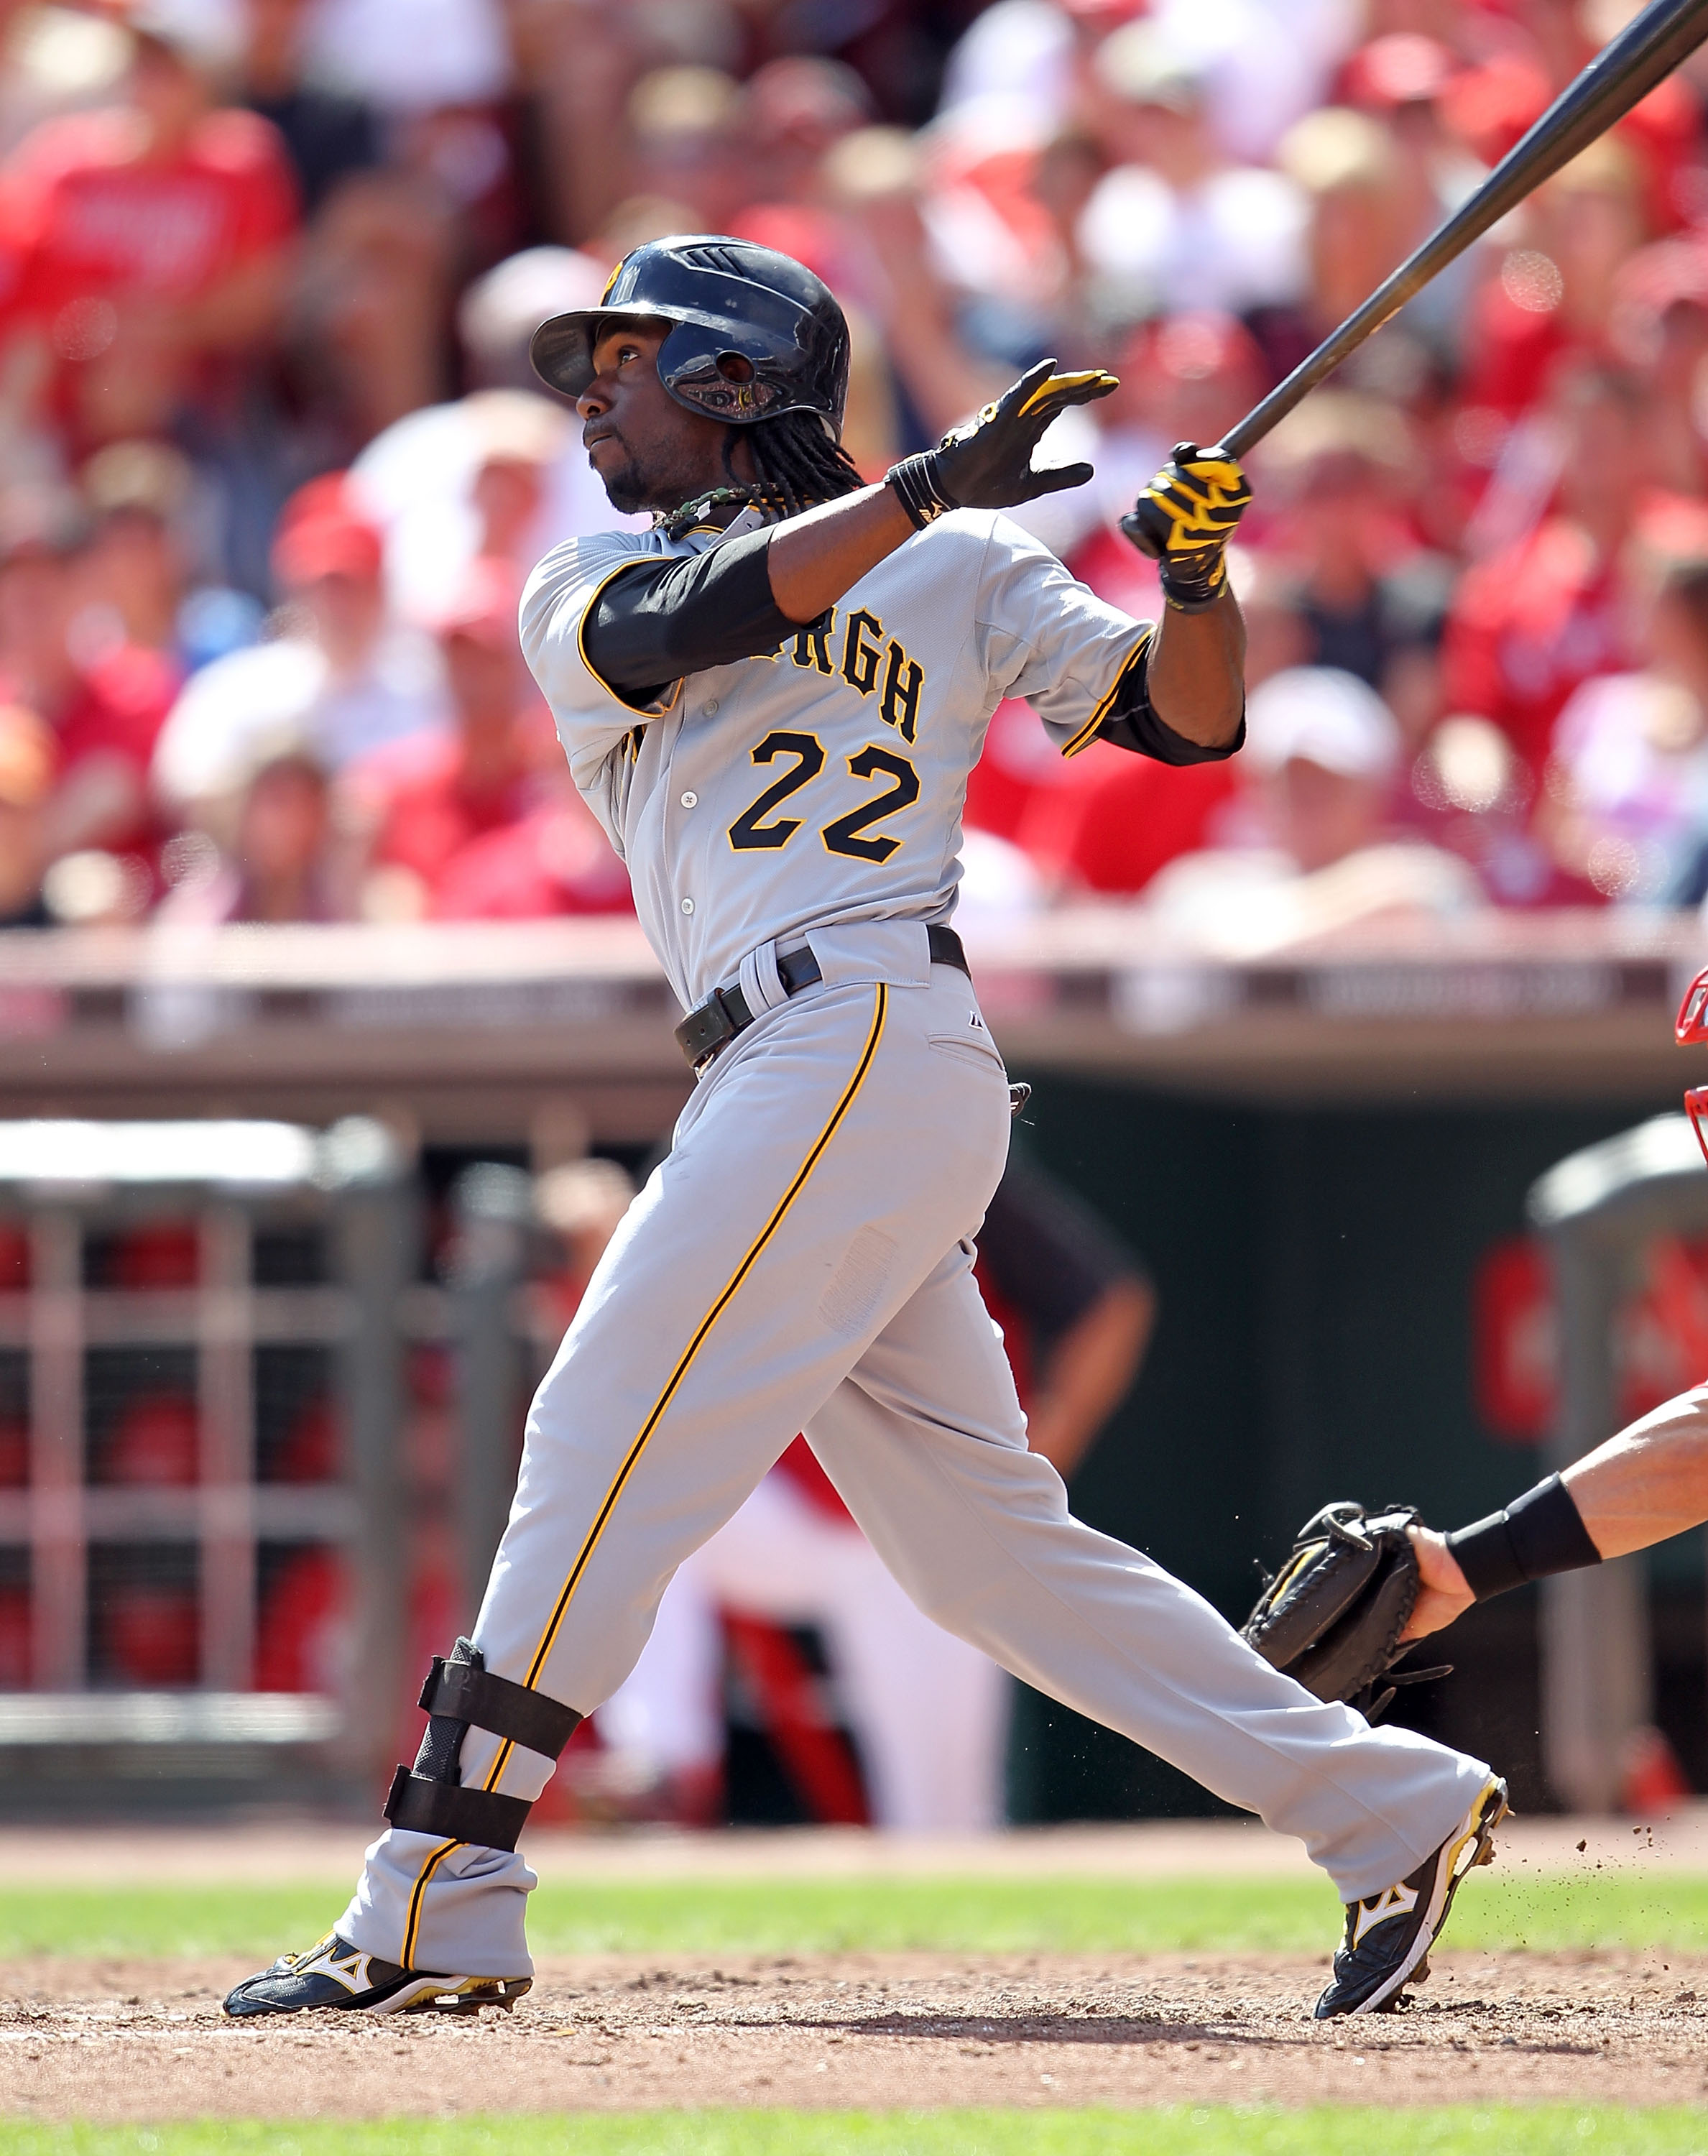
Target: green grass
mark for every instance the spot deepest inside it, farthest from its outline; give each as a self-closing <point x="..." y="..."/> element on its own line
<point x="1543" y="2132"/>
<point x="936" y="1915"/>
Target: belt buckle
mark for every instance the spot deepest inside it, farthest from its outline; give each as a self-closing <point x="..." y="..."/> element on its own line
<point x="706" y="1030"/>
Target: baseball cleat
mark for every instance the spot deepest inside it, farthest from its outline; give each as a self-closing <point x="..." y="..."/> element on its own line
<point x="333" y="1973"/>
<point x="1389" y="1934"/>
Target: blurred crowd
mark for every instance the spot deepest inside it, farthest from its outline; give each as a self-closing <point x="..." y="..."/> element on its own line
<point x="273" y="466"/>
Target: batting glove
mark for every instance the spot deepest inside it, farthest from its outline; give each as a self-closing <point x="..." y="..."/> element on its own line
<point x="1184" y="518"/>
<point x="988" y="464"/>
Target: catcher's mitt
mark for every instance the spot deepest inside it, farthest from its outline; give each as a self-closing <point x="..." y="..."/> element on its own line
<point x="1332" y="1616"/>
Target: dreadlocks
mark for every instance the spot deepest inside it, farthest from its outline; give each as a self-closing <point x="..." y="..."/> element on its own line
<point x="797" y="466"/>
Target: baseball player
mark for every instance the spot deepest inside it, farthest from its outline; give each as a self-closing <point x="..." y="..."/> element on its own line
<point x="772" y="702"/>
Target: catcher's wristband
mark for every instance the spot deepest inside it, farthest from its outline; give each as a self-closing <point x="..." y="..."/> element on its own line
<point x="914" y="483"/>
<point x="1539" y="1534"/>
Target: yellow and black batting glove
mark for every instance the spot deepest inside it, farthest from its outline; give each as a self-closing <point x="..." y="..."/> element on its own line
<point x="988" y="464"/>
<point x="1183" y="520"/>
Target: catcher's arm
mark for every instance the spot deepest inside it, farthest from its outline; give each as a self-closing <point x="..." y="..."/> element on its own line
<point x="1642" y="1486"/>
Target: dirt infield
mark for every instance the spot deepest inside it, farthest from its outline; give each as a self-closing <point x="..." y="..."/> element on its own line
<point x="120" y="2041"/>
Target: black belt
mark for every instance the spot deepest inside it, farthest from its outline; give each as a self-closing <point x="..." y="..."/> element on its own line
<point x="724" y="1011"/>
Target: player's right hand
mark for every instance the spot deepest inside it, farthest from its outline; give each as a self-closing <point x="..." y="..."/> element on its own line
<point x="1184" y="519"/>
<point x="1441" y="1592"/>
<point x="988" y="464"/>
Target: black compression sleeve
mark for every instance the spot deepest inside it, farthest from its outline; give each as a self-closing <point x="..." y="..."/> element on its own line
<point x="1131" y="724"/>
<point x="653" y="623"/>
<point x="1539" y="1534"/>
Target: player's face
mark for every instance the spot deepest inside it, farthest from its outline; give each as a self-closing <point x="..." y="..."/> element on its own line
<point x="649" y="451"/>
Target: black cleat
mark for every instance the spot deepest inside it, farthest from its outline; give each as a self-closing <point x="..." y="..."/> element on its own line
<point x="1389" y="1934"/>
<point x="333" y="1973"/>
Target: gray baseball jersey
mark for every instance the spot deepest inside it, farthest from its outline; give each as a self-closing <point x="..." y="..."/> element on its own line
<point x="823" y="784"/>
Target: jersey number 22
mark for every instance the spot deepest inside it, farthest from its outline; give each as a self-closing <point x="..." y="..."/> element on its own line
<point x="850" y="834"/>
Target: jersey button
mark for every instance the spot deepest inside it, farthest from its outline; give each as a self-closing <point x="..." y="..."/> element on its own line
<point x="691" y="799"/>
<point x="711" y="709"/>
<point x="688" y="906"/>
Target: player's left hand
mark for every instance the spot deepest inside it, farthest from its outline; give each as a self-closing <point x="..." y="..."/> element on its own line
<point x="988" y="464"/>
<point x="1442" y="1592"/>
<point x="1184" y="518"/>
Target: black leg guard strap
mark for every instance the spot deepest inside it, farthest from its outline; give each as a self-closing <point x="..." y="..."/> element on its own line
<point x="477" y="1815"/>
<point x="460" y="1695"/>
<point x="468" y="1694"/>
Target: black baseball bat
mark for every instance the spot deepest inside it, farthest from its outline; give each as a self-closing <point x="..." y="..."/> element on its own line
<point x="1644" y="53"/>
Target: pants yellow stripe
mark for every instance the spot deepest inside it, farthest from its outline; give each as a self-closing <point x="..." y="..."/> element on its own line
<point x="880" y="1007"/>
<point x="412" y="1929"/>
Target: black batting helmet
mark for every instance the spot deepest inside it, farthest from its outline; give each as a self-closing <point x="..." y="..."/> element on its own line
<point x="756" y="334"/>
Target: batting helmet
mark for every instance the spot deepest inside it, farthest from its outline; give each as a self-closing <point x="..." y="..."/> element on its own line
<point x="756" y="334"/>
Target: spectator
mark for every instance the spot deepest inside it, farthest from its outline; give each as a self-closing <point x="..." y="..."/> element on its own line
<point x="449" y="813"/>
<point x="105" y="705"/>
<point x="139" y="588"/>
<point x="328" y="132"/>
<point x="1660" y="329"/>
<point x="1403" y="79"/>
<point x="1543" y="615"/>
<point x="1630" y="773"/>
<point x="342" y="676"/>
<point x="1320" y="764"/>
<point x="500" y="473"/>
<point x="26" y="777"/>
<point x="154" y="238"/>
<point x="1373" y="601"/>
<point x="520" y="439"/>
<point x="280" y="866"/>
<point x="367" y="328"/>
<point x="1347" y="168"/>
<point x="797" y="110"/>
<point x="876" y="178"/>
<point x="1174" y="225"/>
<point x="690" y="145"/>
<point x="1553" y="297"/>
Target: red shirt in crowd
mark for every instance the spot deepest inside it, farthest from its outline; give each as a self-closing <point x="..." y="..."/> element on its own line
<point x="113" y="713"/>
<point x="1113" y="834"/>
<point x="92" y="223"/>
<point x="516" y="851"/>
<point x="430" y="809"/>
<point x="1526" y="628"/>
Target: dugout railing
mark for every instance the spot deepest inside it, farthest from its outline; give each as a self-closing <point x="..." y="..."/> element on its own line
<point x="1600" y="1212"/>
<point x="201" y="1332"/>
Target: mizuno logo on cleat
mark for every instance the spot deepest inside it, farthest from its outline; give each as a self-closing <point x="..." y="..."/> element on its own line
<point x="351" y="1972"/>
<point x="1396" y="1901"/>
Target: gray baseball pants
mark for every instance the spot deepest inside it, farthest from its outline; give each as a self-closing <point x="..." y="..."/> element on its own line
<point x="802" y="1260"/>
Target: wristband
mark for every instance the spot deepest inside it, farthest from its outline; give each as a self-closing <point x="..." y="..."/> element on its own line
<point x="1192" y="589"/>
<point x="1539" y="1534"/>
<point x="914" y="483"/>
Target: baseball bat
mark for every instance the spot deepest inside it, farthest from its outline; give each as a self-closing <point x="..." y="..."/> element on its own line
<point x="1644" y="53"/>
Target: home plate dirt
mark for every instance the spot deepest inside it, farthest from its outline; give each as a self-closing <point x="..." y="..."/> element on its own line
<point x="118" y="2040"/>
